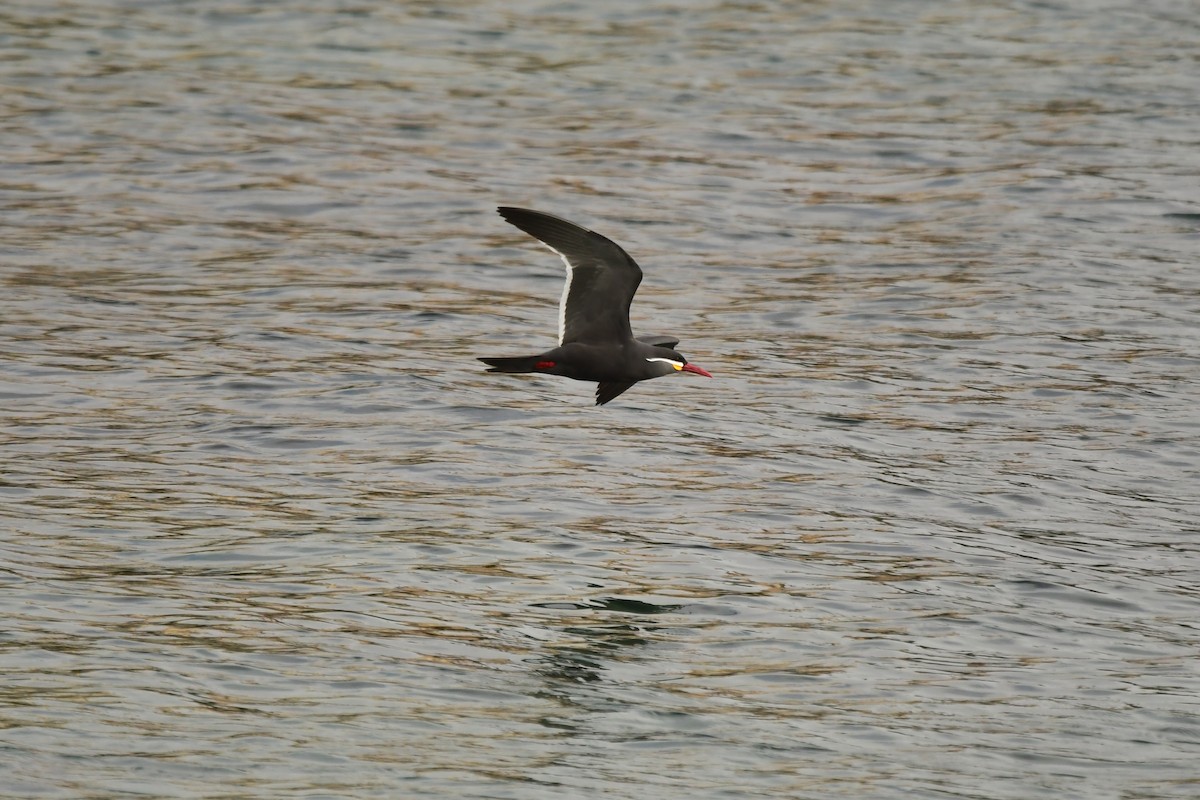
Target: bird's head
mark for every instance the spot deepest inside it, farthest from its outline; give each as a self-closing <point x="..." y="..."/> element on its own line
<point x="666" y="362"/>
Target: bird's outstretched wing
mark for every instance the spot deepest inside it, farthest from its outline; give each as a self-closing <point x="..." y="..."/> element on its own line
<point x="607" y="391"/>
<point x="601" y="278"/>
<point x="660" y="340"/>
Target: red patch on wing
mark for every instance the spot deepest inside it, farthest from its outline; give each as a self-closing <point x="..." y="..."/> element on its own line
<point x="544" y="365"/>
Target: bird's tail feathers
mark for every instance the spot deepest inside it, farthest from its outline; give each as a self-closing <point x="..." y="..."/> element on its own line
<point x="517" y="364"/>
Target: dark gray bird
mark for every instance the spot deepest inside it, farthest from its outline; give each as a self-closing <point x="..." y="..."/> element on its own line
<point x="595" y="342"/>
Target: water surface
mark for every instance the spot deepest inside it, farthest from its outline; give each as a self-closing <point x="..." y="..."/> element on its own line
<point x="270" y="530"/>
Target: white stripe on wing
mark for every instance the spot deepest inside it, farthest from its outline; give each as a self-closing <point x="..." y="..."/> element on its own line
<point x="562" y="303"/>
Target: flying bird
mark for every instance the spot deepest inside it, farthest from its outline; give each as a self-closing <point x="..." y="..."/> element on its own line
<point x="595" y="342"/>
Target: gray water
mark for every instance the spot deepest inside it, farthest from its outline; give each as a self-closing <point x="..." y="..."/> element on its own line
<point x="269" y="530"/>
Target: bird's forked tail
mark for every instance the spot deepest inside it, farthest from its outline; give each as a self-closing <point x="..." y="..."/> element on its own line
<point x="517" y="364"/>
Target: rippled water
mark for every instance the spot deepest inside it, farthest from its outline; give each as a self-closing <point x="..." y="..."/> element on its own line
<point x="270" y="530"/>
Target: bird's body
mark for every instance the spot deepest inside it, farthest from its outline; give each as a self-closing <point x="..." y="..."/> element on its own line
<point x="595" y="340"/>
